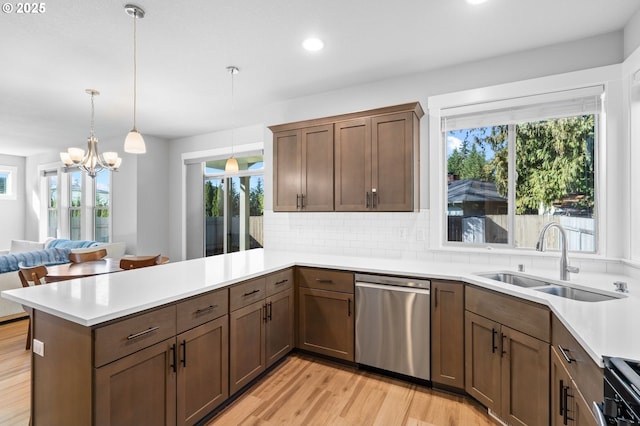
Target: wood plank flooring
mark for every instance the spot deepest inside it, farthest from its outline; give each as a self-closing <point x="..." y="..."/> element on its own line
<point x="300" y="391"/>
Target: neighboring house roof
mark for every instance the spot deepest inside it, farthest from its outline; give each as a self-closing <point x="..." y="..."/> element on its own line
<point x="465" y="190"/>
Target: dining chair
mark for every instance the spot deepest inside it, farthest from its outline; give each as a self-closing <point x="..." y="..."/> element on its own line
<point x="28" y="275"/>
<point x="87" y="256"/>
<point x="140" y="261"/>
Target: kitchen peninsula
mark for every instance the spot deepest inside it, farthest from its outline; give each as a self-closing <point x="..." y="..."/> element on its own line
<point x="68" y="316"/>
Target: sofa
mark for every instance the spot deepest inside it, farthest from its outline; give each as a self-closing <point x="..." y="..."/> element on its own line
<point x="49" y="252"/>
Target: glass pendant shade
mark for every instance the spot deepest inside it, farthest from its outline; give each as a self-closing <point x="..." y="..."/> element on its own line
<point x="134" y="143"/>
<point x="231" y="166"/>
<point x="76" y="154"/>
<point x="66" y="158"/>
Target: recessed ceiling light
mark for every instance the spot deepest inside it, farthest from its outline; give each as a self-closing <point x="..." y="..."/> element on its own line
<point x="476" y="1"/>
<point x="313" y="44"/>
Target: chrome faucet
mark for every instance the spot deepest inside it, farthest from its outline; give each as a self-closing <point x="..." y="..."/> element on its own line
<point x="565" y="268"/>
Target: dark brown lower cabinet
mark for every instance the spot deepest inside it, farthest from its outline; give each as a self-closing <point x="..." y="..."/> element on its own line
<point x="326" y="323"/>
<point x="203" y="375"/>
<point x="568" y="406"/>
<point x="507" y="371"/>
<point x="177" y="381"/>
<point x="260" y="334"/>
<point x="139" y="389"/>
<point x="447" y="333"/>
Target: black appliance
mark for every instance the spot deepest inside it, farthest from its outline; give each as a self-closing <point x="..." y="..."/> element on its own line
<point x="621" y="405"/>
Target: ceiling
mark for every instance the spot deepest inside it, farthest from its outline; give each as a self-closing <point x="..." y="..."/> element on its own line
<point x="48" y="60"/>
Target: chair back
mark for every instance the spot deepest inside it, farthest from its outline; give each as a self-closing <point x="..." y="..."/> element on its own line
<point x="140" y="261"/>
<point x="87" y="256"/>
<point x="33" y="274"/>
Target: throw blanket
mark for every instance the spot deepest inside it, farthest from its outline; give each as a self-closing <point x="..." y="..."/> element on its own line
<point x="71" y="244"/>
<point x="50" y="256"/>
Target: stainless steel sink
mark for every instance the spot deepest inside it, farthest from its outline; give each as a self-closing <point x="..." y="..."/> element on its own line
<point x="516" y="279"/>
<point x="549" y="287"/>
<point x="576" y="294"/>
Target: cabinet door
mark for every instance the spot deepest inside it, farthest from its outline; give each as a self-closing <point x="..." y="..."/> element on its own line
<point x="568" y="406"/>
<point x="246" y="345"/>
<point x="525" y="378"/>
<point x="203" y="370"/>
<point x="482" y="360"/>
<point x="279" y="332"/>
<point x="139" y="389"/>
<point x="326" y="323"/>
<point x="317" y="168"/>
<point x="447" y="333"/>
<point x="287" y="169"/>
<point x="353" y="165"/>
<point x="392" y="154"/>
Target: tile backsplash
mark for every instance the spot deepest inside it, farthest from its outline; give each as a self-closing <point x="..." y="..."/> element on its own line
<point x="398" y="236"/>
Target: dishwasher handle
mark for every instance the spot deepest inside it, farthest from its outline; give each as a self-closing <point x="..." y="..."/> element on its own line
<point x="393" y="288"/>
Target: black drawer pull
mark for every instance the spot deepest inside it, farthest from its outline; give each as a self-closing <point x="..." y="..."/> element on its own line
<point x="281" y="282"/>
<point x="324" y="280"/>
<point x="205" y="310"/>
<point x="564" y="351"/>
<point x="141" y="333"/>
<point x="252" y="292"/>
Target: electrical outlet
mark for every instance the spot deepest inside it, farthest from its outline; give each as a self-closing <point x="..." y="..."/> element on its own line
<point x="38" y="347"/>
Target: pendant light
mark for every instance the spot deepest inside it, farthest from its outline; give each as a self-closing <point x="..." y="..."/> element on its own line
<point x="91" y="162"/>
<point x="134" y="143"/>
<point x="231" y="166"/>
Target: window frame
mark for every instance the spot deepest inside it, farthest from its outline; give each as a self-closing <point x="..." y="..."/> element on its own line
<point x="95" y="208"/>
<point x="604" y="76"/>
<point x="11" y="184"/>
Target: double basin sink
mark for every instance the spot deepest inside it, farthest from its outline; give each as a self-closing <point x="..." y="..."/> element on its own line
<point x="549" y="287"/>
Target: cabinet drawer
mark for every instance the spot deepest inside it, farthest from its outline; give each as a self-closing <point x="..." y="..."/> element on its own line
<point x="201" y="309"/>
<point x="279" y="281"/>
<point x="527" y="317"/>
<point x="582" y="369"/>
<point x="125" y="337"/>
<point x="325" y="279"/>
<point x="246" y="293"/>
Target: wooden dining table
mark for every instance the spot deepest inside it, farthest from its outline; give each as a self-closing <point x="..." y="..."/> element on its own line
<point x="69" y="271"/>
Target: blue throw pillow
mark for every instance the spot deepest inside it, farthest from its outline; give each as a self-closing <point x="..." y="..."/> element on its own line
<point x="49" y="256"/>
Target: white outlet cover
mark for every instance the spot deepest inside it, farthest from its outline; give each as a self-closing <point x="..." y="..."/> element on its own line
<point x="38" y="347"/>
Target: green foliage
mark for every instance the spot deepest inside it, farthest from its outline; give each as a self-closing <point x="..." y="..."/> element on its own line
<point x="256" y="199"/>
<point x="213" y="206"/>
<point x="554" y="158"/>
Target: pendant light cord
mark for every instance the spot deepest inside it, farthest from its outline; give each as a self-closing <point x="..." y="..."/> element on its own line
<point x="92" y="116"/>
<point x="135" y="69"/>
<point x="232" y="113"/>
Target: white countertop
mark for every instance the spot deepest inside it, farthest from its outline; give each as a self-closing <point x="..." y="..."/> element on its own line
<point x="603" y="328"/>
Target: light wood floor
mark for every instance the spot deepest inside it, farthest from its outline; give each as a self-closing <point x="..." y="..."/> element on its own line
<point x="300" y="391"/>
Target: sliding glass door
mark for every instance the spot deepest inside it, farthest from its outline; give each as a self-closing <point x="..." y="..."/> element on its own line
<point x="234" y="206"/>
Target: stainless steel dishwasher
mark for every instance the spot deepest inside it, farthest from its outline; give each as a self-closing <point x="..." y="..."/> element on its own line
<point x="393" y="324"/>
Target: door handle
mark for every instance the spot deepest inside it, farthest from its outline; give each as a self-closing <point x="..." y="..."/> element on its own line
<point x="494" y="332"/>
<point x="366" y="200"/>
<point x="349" y="307"/>
<point x="270" y="310"/>
<point x="502" y="337"/>
<point x="567" y="358"/>
<point x="297" y="201"/>
<point x="561" y="398"/>
<point x="184" y="353"/>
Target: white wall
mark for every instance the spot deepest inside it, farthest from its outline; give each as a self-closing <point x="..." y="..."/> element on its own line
<point x="12" y="212"/>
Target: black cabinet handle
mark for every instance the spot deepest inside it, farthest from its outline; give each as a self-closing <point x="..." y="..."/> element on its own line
<point x="562" y="408"/>
<point x="494" y="332"/>
<point x="264" y="312"/>
<point x="324" y="280"/>
<point x="270" y="310"/>
<point x="374" y="198"/>
<point x="252" y="292"/>
<point x="184" y="353"/>
<point x="502" y="337"/>
<point x="173" y="358"/>
<point x="564" y="351"/>
<point x="205" y="310"/>
<point x="281" y="282"/>
<point x="566" y="396"/>
<point x="349" y="307"/>
<point x="302" y="201"/>
<point x="141" y="333"/>
<point x="366" y="200"/>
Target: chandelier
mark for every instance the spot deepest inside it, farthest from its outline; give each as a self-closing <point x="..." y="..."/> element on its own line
<point x="91" y="162"/>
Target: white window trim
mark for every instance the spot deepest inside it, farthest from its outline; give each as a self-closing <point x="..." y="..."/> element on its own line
<point x="569" y="81"/>
<point x="12" y="182"/>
